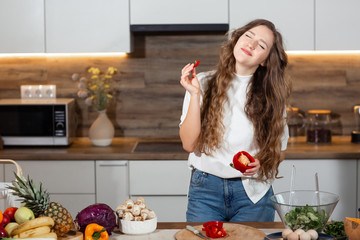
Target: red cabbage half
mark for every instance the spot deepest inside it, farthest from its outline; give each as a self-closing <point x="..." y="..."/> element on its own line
<point x="99" y="213"/>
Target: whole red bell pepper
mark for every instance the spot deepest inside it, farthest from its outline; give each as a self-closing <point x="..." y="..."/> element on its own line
<point x="214" y="229"/>
<point x="241" y="161"/>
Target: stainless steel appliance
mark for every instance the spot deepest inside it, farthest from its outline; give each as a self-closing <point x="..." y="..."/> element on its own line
<point x="45" y="122"/>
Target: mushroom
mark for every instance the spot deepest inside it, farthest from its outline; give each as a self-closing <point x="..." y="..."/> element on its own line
<point x="136" y="210"/>
<point x="140" y="200"/>
<point x="145" y="213"/>
<point x="138" y="218"/>
<point x="129" y="203"/>
<point x="151" y="214"/>
<point x="128" y="216"/>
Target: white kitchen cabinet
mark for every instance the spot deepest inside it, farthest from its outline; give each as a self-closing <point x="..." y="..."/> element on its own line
<point x="164" y="185"/>
<point x="22" y="26"/>
<point x="87" y="26"/>
<point x="337" y="25"/>
<point x="293" y="19"/>
<point x="2" y="173"/>
<point x="358" y="189"/>
<point x="337" y="176"/>
<point x="72" y="182"/>
<point x="179" y="12"/>
<point x="112" y="182"/>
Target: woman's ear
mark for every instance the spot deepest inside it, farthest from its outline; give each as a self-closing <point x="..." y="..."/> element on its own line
<point x="263" y="64"/>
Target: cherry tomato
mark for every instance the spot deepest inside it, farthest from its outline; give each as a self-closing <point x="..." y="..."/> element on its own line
<point x="11" y="212"/>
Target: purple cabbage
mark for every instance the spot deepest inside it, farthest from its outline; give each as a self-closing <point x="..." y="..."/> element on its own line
<point x="99" y="213"/>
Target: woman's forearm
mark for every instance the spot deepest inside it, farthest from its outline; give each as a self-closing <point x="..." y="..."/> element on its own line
<point x="191" y="126"/>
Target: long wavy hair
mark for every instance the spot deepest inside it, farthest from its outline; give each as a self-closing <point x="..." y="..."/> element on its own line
<point x="268" y="93"/>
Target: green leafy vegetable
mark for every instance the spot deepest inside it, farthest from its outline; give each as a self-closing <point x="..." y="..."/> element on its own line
<point x="306" y="218"/>
<point x="335" y="229"/>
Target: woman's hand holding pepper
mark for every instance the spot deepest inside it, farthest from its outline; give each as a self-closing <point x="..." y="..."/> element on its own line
<point x="190" y="84"/>
<point x="255" y="168"/>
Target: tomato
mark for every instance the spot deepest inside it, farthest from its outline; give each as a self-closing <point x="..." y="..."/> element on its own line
<point x="5" y="220"/>
<point x="11" y="212"/>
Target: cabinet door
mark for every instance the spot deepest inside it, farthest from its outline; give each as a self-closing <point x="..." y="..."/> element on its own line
<point x="167" y="208"/>
<point x="163" y="177"/>
<point x="178" y="12"/>
<point x="112" y="179"/>
<point x="358" y="190"/>
<point x="293" y="19"/>
<point x="337" y="176"/>
<point x="87" y="26"/>
<point x="22" y="26"/>
<point x="74" y="203"/>
<point x="64" y="177"/>
<point x="164" y="185"/>
<point x="337" y="25"/>
<point x="71" y="183"/>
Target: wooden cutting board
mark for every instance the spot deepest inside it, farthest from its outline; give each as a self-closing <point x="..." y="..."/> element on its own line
<point x="72" y="235"/>
<point x="233" y="230"/>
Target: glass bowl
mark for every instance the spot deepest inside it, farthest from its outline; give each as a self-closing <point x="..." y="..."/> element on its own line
<point x="305" y="209"/>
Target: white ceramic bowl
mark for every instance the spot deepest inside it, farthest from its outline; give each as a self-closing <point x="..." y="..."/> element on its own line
<point x="137" y="227"/>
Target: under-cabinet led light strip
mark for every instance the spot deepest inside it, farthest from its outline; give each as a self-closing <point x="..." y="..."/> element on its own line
<point x="122" y="54"/>
<point x="100" y="54"/>
<point x="323" y="52"/>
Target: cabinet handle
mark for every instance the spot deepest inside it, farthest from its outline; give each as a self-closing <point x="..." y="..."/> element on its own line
<point x="120" y="164"/>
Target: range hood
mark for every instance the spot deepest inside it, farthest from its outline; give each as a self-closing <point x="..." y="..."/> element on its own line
<point x="179" y="27"/>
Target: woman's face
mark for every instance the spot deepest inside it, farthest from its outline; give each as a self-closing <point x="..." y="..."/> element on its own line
<point x="252" y="49"/>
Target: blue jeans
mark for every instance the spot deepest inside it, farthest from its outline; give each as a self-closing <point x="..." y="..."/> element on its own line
<point x="216" y="199"/>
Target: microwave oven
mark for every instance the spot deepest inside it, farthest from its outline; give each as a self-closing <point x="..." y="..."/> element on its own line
<point x="43" y="122"/>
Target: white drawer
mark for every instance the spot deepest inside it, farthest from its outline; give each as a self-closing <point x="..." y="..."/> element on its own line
<point x="58" y="176"/>
<point x="167" y="208"/>
<point x="159" y="177"/>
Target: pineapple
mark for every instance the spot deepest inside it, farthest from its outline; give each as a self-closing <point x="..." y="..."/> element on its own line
<point x="38" y="200"/>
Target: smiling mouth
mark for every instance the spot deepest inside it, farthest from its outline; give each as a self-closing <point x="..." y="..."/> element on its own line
<point x="246" y="52"/>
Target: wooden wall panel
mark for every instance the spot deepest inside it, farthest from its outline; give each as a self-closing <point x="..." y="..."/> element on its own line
<point x="147" y="94"/>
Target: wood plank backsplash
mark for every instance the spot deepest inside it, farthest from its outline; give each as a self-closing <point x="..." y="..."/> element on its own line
<point x="147" y="94"/>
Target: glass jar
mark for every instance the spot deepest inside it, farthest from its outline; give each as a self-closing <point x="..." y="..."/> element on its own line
<point x="295" y="123"/>
<point x="318" y="126"/>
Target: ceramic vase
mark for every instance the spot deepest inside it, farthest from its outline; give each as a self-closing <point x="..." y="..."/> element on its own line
<point x="101" y="132"/>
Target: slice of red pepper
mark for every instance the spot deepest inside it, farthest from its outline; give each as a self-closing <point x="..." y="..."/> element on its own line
<point x="196" y="64"/>
<point x="214" y="229"/>
<point x="239" y="165"/>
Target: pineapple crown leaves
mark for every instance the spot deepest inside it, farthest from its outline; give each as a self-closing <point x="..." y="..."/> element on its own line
<point x="26" y="189"/>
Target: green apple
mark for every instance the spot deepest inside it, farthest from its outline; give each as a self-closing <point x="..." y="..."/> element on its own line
<point x="23" y="214"/>
<point x="10" y="227"/>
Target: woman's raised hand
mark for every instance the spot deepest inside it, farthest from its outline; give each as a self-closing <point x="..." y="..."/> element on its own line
<point x="255" y="168"/>
<point x="190" y="84"/>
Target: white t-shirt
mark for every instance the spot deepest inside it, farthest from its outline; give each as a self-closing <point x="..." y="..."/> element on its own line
<point x="238" y="136"/>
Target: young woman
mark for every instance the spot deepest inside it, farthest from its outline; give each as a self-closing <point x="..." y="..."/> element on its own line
<point x="240" y="106"/>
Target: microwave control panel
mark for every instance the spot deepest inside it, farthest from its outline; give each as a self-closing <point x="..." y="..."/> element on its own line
<point x="60" y="120"/>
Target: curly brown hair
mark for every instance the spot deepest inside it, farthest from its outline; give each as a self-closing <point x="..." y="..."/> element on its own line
<point x="268" y="93"/>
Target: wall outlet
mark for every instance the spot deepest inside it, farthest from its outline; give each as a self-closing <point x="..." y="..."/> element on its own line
<point x="38" y="91"/>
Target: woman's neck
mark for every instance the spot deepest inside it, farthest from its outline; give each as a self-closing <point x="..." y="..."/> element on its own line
<point x="242" y="70"/>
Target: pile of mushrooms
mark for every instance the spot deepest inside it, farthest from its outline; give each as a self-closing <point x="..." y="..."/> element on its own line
<point x="134" y="211"/>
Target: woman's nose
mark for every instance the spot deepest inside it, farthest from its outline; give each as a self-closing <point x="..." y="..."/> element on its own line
<point x="252" y="44"/>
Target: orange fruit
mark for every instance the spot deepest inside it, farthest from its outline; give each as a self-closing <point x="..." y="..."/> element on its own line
<point x="1" y="216"/>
